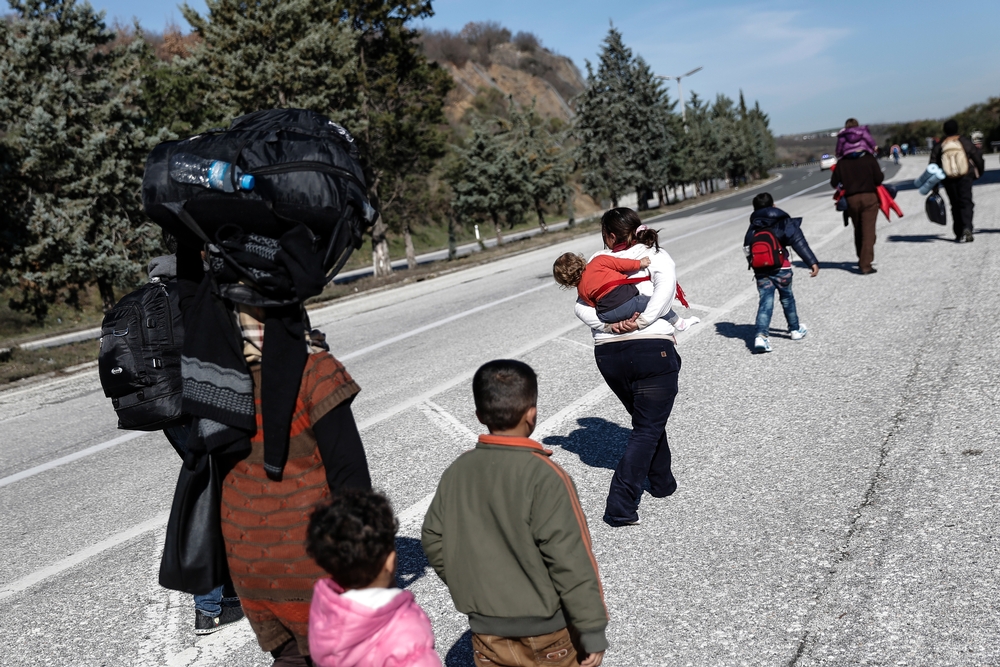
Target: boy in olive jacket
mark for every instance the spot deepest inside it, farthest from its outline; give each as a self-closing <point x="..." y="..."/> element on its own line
<point x="507" y="535"/>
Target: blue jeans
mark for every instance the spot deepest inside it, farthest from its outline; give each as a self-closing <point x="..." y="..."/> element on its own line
<point x="210" y="603"/>
<point x="643" y="375"/>
<point x="766" y="284"/>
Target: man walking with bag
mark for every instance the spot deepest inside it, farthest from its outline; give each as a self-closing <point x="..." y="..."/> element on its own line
<point x="962" y="163"/>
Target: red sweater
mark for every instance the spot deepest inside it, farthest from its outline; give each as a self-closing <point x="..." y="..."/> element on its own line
<point x="602" y="274"/>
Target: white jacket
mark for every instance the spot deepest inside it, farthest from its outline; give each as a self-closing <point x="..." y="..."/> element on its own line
<point x="660" y="288"/>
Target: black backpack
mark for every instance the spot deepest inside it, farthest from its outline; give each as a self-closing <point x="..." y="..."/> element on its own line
<point x="140" y="358"/>
<point x="306" y="170"/>
<point x="765" y="251"/>
<point x="935" y="209"/>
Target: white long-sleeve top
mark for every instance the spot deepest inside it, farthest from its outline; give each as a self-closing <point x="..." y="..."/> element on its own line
<point x="660" y="289"/>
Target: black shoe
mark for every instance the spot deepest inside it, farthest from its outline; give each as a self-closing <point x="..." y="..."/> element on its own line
<point x="869" y="272"/>
<point x="206" y="625"/>
<point x="969" y="238"/>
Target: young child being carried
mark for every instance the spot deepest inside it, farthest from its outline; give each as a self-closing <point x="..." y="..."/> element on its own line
<point x="359" y="617"/>
<point x="506" y="534"/>
<point x="604" y="284"/>
<point x="854" y="138"/>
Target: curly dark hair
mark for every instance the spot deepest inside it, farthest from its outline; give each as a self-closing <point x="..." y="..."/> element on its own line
<point x="351" y="536"/>
<point x="568" y="269"/>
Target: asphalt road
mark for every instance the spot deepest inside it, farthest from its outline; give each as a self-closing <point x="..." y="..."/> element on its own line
<point x="791" y="181"/>
<point x="838" y="498"/>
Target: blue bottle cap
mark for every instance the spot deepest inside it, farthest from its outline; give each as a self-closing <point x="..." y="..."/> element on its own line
<point x="247" y="182"/>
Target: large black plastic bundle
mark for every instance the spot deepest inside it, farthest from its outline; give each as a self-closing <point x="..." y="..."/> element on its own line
<point x="306" y="170"/>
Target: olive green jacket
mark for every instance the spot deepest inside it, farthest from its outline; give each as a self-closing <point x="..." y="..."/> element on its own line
<point x="506" y="533"/>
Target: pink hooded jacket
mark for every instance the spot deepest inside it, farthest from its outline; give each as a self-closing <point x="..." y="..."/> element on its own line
<point x="345" y="633"/>
<point x="853" y="139"/>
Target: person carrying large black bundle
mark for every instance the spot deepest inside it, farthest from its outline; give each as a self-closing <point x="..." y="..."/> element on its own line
<point x="276" y="419"/>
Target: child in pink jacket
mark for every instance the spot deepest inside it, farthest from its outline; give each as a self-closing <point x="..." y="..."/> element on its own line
<point x="359" y="617"/>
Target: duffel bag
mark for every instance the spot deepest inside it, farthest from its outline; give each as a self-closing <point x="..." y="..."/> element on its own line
<point x="305" y="169"/>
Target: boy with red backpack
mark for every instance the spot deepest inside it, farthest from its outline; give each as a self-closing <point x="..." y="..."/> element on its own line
<point x="766" y="244"/>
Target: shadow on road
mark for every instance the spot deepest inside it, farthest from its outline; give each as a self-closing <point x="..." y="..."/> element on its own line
<point x="747" y="332"/>
<point x="598" y="442"/>
<point x="917" y="238"/>
<point x="989" y="177"/>
<point x="460" y="653"/>
<point x="850" y="267"/>
<point x="412" y="563"/>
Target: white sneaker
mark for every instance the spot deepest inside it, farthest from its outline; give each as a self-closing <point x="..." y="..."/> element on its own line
<point x="800" y="333"/>
<point x="761" y="344"/>
<point x="685" y="323"/>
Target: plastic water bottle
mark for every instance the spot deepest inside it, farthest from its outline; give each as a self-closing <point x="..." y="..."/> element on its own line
<point x="213" y="174"/>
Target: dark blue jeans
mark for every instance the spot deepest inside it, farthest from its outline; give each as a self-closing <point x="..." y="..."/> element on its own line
<point x="766" y="285"/>
<point x="643" y="375"/>
<point x="211" y="603"/>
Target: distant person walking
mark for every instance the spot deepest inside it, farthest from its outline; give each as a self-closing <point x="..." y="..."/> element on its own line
<point x="859" y="174"/>
<point x="962" y="163"/>
<point x="638" y="360"/>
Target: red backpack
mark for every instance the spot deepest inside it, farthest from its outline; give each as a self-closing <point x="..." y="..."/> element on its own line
<point x="765" y="251"/>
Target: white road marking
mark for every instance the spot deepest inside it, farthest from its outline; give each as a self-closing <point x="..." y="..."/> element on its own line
<point x="458" y="379"/>
<point x="447" y="422"/>
<point x="43" y="385"/>
<point x="416" y="511"/>
<point x="439" y="323"/>
<point x="69" y="458"/>
<point x="215" y="648"/>
<point x="38" y="576"/>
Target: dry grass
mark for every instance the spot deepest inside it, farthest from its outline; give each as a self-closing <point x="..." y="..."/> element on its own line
<point x="17" y="364"/>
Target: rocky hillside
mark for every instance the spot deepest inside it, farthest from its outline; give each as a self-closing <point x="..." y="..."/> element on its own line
<point x="485" y="56"/>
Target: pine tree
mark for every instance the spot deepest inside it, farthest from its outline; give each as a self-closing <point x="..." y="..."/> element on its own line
<point x="400" y="115"/>
<point x="602" y="116"/>
<point x="488" y="180"/>
<point x="726" y="123"/>
<point x="703" y="141"/>
<point x="650" y="131"/>
<point x="548" y="168"/>
<point x="73" y="150"/>
<point x="263" y="54"/>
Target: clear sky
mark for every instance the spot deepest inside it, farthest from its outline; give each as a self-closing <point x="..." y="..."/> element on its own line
<point x="810" y="64"/>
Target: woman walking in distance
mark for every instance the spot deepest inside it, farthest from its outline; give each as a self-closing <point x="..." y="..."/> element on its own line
<point x="638" y="360"/>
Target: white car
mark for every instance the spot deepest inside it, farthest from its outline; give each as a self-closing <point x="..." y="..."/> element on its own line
<point x="827" y="162"/>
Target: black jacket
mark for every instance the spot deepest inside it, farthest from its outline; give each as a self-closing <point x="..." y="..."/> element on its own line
<point x="975" y="156"/>
<point x="857" y="175"/>
<point x="786" y="229"/>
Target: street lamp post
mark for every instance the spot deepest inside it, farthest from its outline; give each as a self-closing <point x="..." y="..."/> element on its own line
<point x="680" y="91"/>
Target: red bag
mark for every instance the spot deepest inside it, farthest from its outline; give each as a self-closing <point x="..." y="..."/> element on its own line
<point x="887" y="203"/>
<point x="765" y="251"/>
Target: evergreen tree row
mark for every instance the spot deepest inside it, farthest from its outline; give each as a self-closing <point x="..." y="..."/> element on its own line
<point x="631" y="138"/>
<point x="82" y="104"/>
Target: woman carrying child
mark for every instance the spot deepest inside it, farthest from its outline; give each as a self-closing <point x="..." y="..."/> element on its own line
<point x="638" y="360"/>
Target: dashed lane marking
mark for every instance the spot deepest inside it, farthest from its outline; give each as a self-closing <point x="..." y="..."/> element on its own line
<point x="439" y="323"/>
<point x="69" y="458"/>
<point x="38" y="576"/>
